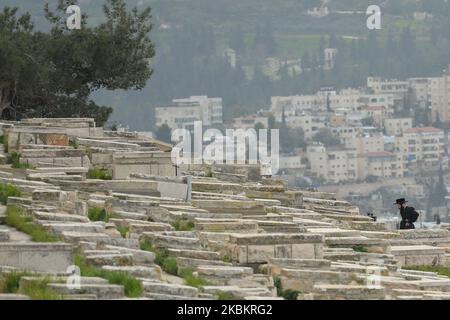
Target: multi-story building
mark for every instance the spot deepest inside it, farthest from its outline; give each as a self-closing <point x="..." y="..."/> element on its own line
<point x="250" y="121"/>
<point x="419" y="91"/>
<point x="421" y="147"/>
<point x="364" y="144"/>
<point x="378" y="114"/>
<point x="381" y="164"/>
<point x="310" y="124"/>
<point x="394" y="87"/>
<point x="439" y="98"/>
<point x="396" y="126"/>
<point x="184" y="112"/>
<point x="335" y="165"/>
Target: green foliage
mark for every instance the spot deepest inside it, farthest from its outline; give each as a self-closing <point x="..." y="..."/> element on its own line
<point x="132" y="286"/>
<point x="16" y="219"/>
<point x="35" y="289"/>
<point x="286" y="294"/>
<point x="99" y="214"/>
<point x="123" y="231"/>
<point x="360" y="249"/>
<point x="146" y="246"/>
<point x="9" y="282"/>
<point x="183" y="225"/>
<point x="14" y="159"/>
<point x="226" y="258"/>
<point x="113" y="54"/>
<point x="162" y="257"/>
<point x="39" y="290"/>
<point x="101" y="174"/>
<point x="227" y="296"/>
<point x="8" y="190"/>
<point x="4" y="141"/>
<point x="443" y="271"/>
<point x="190" y="279"/>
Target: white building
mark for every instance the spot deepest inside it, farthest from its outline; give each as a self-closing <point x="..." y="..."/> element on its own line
<point x="184" y="112"/>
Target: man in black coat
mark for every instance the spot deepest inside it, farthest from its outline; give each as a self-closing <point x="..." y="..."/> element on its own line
<point x="406" y="213"/>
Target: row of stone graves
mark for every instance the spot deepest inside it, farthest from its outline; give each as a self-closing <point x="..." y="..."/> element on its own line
<point x="237" y="233"/>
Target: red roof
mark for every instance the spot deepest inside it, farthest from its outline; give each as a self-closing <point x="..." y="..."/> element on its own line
<point x="423" y="130"/>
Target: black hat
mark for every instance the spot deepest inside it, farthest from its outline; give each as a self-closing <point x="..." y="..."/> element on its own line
<point x="400" y="201"/>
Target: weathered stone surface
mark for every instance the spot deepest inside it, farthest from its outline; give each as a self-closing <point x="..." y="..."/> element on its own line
<point x="43" y="257"/>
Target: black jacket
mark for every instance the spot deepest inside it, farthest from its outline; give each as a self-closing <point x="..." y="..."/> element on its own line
<point x="406" y="220"/>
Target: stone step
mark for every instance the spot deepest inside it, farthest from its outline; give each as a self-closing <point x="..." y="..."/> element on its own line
<point x="236" y="226"/>
<point x="163" y="241"/>
<point x="304" y="279"/>
<point x="163" y="296"/>
<point x="101" y="291"/>
<point x="13" y="296"/>
<point x="80" y="297"/>
<point x="139" y="256"/>
<point x="224" y="272"/>
<point x="238" y="291"/>
<point x="131" y="215"/>
<point x="193" y="263"/>
<point x="24" y="281"/>
<point x="121" y="259"/>
<point x="194" y="254"/>
<point x="137" y="271"/>
<point x="40" y="215"/>
<point x="348" y="292"/>
<point x="76" y="237"/>
<point x="59" y="227"/>
<point x="170" y="289"/>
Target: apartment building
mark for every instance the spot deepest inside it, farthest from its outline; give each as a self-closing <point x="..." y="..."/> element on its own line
<point x="335" y="165"/>
<point x="381" y="164"/>
<point x="184" y="112"/>
<point x="378" y="114"/>
<point x="250" y="121"/>
<point x="310" y="124"/>
<point x="439" y="98"/>
<point x="421" y="147"/>
<point x="394" y="87"/>
<point x="397" y="126"/>
<point x="364" y="144"/>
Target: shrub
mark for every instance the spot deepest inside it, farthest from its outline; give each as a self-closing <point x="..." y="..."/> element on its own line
<point x="123" y="231"/>
<point x="190" y="279"/>
<point x="99" y="214"/>
<point x="101" y="174"/>
<point x="8" y="190"/>
<point x="35" y="289"/>
<point x="162" y="258"/>
<point x="286" y="294"/>
<point x="16" y="219"/>
<point x="132" y="286"/>
<point x="14" y="159"/>
<point x="183" y="225"/>
<point x="360" y="249"/>
<point x="9" y="282"/>
<point x="4" y="141"/>
<point x="39" y="290"/>
<point x="226" y="258"/>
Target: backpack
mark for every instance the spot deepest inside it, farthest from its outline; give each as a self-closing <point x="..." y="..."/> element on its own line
<point x="412" y="215"/>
